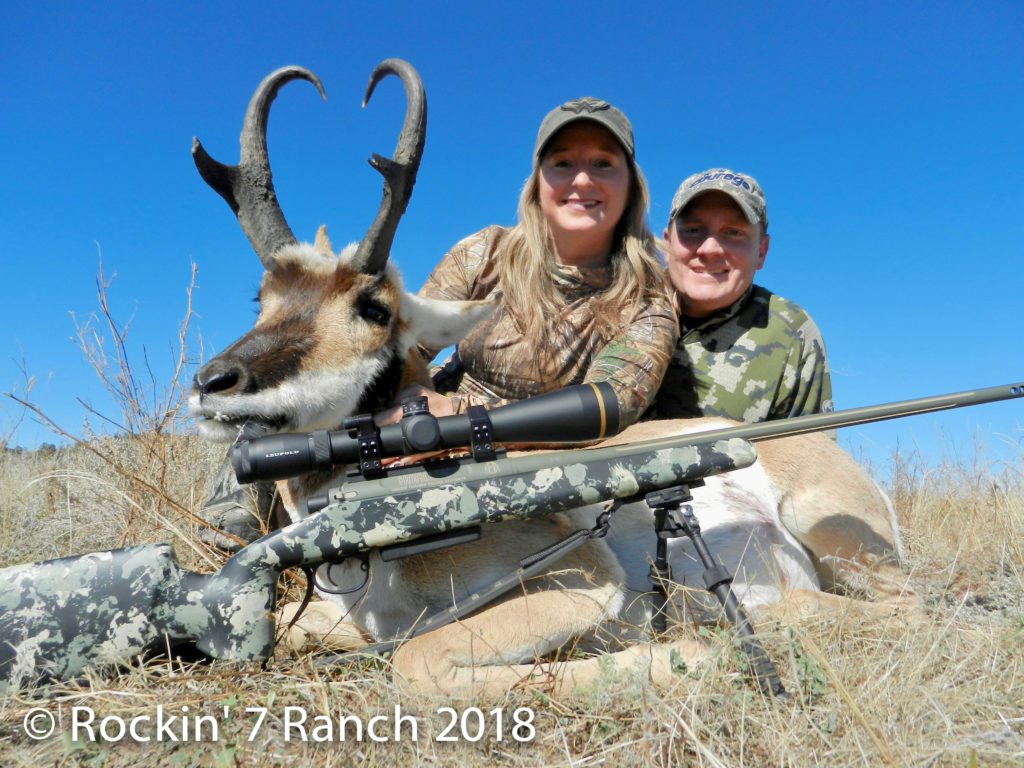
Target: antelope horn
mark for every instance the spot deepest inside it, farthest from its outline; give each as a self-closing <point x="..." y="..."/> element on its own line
<point x="248" y="187"/>
<point x="399" y="171"/>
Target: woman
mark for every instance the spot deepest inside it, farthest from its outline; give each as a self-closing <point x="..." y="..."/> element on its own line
<point x="581" y="293"/>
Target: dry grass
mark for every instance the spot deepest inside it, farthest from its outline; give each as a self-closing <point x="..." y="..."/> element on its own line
<point x="948" y="691"/>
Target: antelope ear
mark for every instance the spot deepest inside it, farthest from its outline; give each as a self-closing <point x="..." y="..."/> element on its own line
<point x="323" y="243"/>
<point x="437" y="323"/>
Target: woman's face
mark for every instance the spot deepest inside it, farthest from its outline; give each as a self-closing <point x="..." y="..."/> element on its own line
<point x="583" y="189"/>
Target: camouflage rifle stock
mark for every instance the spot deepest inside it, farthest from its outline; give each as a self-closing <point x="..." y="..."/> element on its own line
<point x="59" y="617"/>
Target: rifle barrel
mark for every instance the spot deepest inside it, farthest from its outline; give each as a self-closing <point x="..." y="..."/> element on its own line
<point x="465" y="472"/>
<point x="817" y="422"/>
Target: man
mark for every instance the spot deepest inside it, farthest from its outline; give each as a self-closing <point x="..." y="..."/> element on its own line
<point x="743" y="353"/>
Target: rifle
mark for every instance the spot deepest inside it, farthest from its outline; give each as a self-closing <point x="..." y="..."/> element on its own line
<point x="59" y="617"/>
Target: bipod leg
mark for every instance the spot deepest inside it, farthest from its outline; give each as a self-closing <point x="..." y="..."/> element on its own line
<point x="672" y="518"/>
<point x="661" y="574"/>
<point x="665" y="528"/>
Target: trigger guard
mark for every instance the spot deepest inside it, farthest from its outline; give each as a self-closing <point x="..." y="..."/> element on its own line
<point x="339" y="578"/>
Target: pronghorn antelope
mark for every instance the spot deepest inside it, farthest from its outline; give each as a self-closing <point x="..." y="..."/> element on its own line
<point x="337" y="335"/>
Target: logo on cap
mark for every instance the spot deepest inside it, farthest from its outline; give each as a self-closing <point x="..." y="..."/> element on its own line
<point x="586" y="104"/>
<point x="736" y="179"/>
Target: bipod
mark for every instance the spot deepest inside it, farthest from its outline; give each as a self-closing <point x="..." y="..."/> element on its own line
<point x="673" y="517"/>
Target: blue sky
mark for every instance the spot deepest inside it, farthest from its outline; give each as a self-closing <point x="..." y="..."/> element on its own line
<point x="887" y="137"/>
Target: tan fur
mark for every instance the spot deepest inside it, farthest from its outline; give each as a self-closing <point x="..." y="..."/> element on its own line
<point x="321" y="619"/>
<point x="834" y="509"/>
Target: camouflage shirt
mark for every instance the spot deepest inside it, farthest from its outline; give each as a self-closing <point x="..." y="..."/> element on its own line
<point x="496" y="364"/>
<point x="761" y="358"/>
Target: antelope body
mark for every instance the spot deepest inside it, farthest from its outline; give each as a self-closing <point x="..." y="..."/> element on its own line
<point x="337" y="335"/>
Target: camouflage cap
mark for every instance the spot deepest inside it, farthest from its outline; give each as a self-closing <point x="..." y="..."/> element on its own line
<point x="741" y="188"/>
<point x="587" y="108"/>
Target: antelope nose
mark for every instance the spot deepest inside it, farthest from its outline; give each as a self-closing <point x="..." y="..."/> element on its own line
<point x="217" y="378"/>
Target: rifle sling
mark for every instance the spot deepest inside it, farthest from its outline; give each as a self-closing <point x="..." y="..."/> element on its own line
<point x="529" y="566"/>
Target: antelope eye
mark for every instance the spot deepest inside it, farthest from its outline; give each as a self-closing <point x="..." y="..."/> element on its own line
<point x="373" y="311"/>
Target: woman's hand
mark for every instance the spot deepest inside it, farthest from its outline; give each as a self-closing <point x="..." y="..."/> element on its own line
<point x="437" y="404"/>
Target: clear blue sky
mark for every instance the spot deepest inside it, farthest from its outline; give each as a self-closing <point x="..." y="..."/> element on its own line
<point x="887" y="137"/>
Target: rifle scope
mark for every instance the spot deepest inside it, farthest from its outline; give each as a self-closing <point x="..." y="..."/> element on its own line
<point x="569" y="415"/>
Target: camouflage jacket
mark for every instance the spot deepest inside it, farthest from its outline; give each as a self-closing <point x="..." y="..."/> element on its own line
<point x="762" y="358"/>
<point x="495" y="364"/>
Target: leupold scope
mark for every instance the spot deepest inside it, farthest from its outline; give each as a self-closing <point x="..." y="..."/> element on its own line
<point x="569" y="415"/>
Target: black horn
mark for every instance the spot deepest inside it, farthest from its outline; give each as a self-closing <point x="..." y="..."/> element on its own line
<point x="399" y="171"/>
<point x="248" y="187"/>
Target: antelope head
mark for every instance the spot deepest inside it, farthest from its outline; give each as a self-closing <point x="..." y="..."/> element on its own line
<point x="336" y="334"/>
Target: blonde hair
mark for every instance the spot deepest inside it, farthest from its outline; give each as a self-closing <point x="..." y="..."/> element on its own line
<point x="530" y="294"/>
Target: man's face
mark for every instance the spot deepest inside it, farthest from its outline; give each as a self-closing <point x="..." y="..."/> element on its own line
<point x="713" y="253"/>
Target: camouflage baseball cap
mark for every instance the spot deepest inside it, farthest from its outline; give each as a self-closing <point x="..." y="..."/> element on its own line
<point x="741" y="188"/>
<point x="587" y="108"/>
